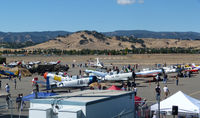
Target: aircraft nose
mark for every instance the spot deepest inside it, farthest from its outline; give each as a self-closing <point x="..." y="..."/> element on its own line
<point x="93" y="79"/>
<point x="45" y="75"/>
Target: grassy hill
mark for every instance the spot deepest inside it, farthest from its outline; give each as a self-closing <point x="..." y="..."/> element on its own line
<point x="97" y="41"/>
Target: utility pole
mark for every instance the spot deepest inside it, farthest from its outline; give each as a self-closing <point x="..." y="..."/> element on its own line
<point x="10" y="105"/>
<point x="159" y="106"/>
<point x="158" y="98"/>
<point x="36" y="93"/>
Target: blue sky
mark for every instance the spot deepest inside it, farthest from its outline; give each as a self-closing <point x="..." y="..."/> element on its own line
<point x="99" y="15"/>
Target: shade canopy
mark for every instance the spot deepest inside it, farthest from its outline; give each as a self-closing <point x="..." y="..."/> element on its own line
<point x="185" y="103"/>
<point x="113" y="87"/>
<point x="137" y="100"/>
<point x="40" y="95"/>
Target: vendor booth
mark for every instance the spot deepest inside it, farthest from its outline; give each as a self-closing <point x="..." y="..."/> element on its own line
<point x="186" y="105"/>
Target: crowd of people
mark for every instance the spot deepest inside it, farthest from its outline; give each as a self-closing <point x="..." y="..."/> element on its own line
<point x="126" y="86"/>
<point x="9" y="101"/>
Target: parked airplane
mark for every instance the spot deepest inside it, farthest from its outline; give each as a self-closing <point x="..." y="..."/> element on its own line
<point x="14" y="64"/>
<point x="170" y="69"/>
<point x="56" y="77"/>
<point x="54" y="62"/>
<point x="190" y="69"/>
<point x="123" y="76"/>
<point x="8" y="71"/>
<point x="96" y="64"/>
<point x="149" y="73"/>
<point x="195" y="66"/>
<point x="35" y="62"/>
<point x="56" y="81"/>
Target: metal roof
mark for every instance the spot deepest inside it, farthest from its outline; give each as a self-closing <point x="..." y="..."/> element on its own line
<point x="82" y="98"/>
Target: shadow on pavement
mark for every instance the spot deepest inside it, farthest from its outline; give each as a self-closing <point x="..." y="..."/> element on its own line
<point x="14" y="116"/>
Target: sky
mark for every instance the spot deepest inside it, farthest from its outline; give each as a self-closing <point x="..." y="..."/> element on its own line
<point x="99" y="15"/>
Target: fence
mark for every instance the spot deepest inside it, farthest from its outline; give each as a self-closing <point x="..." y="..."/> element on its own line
<point x="128" y="114"/>
<point x="143" y="112"/>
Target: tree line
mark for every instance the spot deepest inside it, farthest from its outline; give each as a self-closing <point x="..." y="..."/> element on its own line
<point x="105" y="52"/>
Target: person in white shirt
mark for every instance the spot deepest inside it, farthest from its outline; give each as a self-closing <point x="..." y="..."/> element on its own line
<point x="7" y="87"/>
<point x="135" y="91"/>
<point x="166" y="91"/>
<point x="157" y="79"/>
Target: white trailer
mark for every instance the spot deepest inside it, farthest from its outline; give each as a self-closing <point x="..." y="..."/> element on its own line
<point x="85" y="104"/>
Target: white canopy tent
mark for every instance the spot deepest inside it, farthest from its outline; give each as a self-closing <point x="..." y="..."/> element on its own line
<point x="185" y="103"/>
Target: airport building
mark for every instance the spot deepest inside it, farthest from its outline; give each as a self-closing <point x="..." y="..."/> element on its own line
<point x="85" y="104"/>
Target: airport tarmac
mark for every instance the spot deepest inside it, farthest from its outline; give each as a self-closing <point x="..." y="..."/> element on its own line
<point x="146" y="90"/>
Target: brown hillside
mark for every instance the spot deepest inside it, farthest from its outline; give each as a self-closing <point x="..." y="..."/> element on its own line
<point x="162" y="43"/>
<point x="96" y="41"/>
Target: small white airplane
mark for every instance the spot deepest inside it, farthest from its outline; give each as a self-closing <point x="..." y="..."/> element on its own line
<point x="57" y="81"/>
<point x="96" y="64"/>
<point x="53" y="62"/>
<point x="149" y="73"/>
<point x="123" y="76"/>
<point x="111" y="76"/>
<point x="170" y="69"/>
<point x="35" y="62"/>
<point x="13" y="64"/>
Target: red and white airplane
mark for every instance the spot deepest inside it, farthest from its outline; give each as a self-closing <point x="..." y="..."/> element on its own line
<point x="13" y="64"/>
<point x="54" y="62"/>
<point x="123" y="76"/>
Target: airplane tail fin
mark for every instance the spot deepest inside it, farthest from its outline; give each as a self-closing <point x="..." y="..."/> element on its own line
<point x="193" y="65"/>
<point x="16" y="73"/>
<point x="50" y="84"/>
<point x="99" y="63"/>
<point x="58" y="62"/>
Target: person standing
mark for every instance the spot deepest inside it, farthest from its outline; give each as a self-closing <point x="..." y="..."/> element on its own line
<point x="18" y="101"/>
<point x="133" y="76"/>
<point x="157" y="79"/>
<point x="80" y="72"/>
<point x="129" y="85"/>
<point x="166" y="91"/>
<point x="157" y="89"/>
<point x="23" y="104"/>
<point x="37" y="87"/>
<point x="9" y="77"/>
<point x="165" y="79"/>
<point x="185" y="74"/>
<point x="124" y="88"/>
<point x="0" y="84"/>
<point x="133" y="85"/>
<point x="177" y="80"/>
<point x="7" y="87"/>
<point x="99" y="86"/>
<point x="189" y="74"/>
<point x="135" y="91"/>
<point x="20" y="75"/>
<point x="15" y="82"/>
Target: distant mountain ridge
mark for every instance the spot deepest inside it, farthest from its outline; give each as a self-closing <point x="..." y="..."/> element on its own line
<point x="40" y="37"/>
<point x="156" y="35"/>
<point x="35" y="37"/>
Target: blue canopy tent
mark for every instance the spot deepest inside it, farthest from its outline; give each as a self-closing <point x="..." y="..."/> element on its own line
<point x="39" y="94"/>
